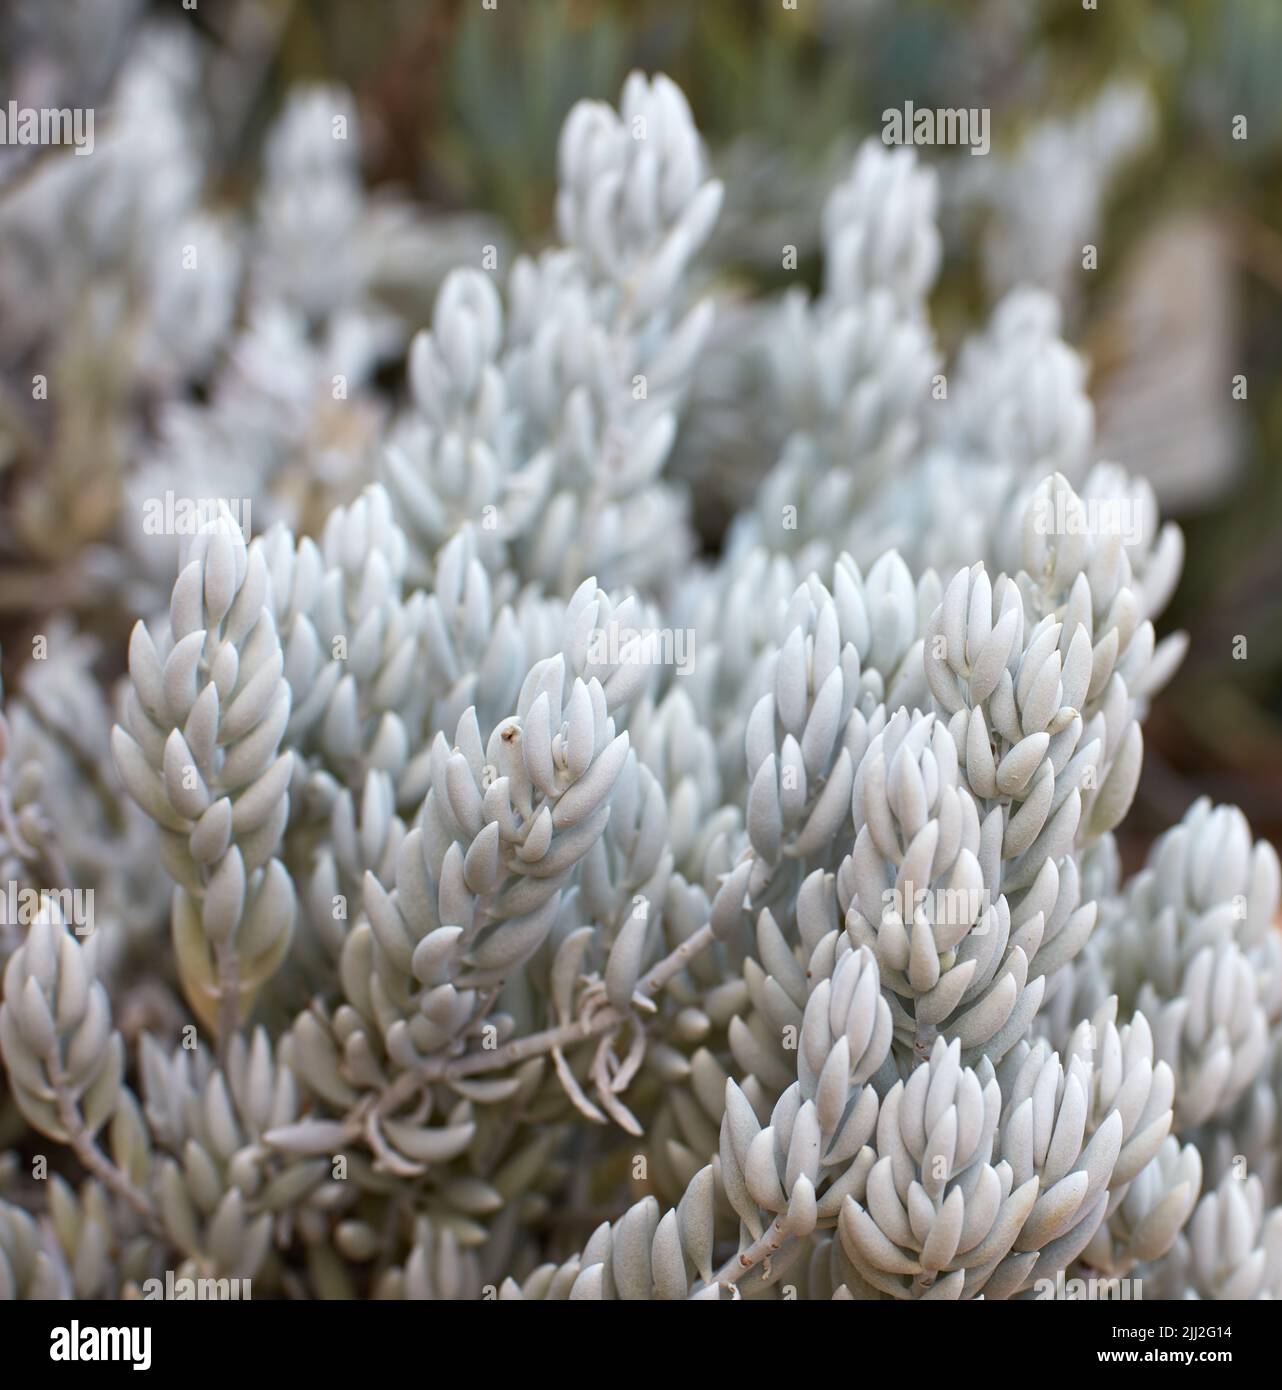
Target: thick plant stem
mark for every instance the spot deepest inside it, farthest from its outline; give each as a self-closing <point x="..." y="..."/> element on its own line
<point x="536" y="1044"/>
<point x="92" y="1157"/>
<point x="520" y="1049"/>
<point x="771" y="1240"/>
<point x="228" y="1002"/>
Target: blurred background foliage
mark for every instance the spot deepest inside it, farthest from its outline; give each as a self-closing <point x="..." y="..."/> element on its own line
<point x="460" y="107"/>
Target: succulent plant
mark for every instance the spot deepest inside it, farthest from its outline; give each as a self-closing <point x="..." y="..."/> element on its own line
<point x="495" y="900"/>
